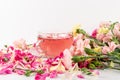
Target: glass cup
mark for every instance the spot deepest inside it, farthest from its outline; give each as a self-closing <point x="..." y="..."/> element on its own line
<point x="52" y="44"/>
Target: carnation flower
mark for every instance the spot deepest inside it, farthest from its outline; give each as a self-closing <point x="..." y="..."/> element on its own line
<point x="94" y="33"/>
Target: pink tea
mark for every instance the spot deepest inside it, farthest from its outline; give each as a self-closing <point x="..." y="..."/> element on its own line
<point x="52" y="44"/>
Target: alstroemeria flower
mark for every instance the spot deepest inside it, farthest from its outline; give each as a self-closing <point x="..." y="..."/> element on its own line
<point x="105" y="24"/>
<point x="103" y="30"/>
<point x="80" y="36"/>
<point x="104" y="33"/>
<point x="80" y="45"/>
<point x="109" y="48"/>
<point x="21" y="44"/>
<point x="116" y="30"/>
<point x="104" y="37"/>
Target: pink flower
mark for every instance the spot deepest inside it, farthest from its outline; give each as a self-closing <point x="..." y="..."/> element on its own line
<point x="6" y="69"/>
<point x="20" y="72"/>
<point x="105" y="24"/>
<point x="104" y="37"/>
<point x="80" y="36"/>
<point x="21" y="44"/>
<point x="80" y="45"/>
<point x="53" y="74"/>
<point x="67" y="59"/>
<point x="109" y="48"/>
<point x="80" y="42"/>
<point x="116" y="30"/>
<point x="35" y="65"/>
<point x="41" y="76"/>
<point x="95" y="72"/>
<point x="107" y="38"/>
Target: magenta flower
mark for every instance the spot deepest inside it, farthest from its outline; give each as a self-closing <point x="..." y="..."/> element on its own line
<point x="53" y="74"/>
<point x="41" y="76"/>
<point x="6" y="70"/>
<point x="94" y="33"/>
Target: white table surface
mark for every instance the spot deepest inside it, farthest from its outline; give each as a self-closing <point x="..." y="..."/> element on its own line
<point x="107" y="74"/>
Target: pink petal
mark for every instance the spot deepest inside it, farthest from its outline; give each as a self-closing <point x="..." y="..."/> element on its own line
<point x="80" y="76"/>
<point x="95" y="72"/>
<point x="41" y="76"/>
<point x="67" y="59"/>
<point x="53" y="74"/>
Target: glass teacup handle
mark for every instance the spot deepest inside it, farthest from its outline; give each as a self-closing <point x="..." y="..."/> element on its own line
<point x="38" y="47"/>
<point x="41" y="51"/>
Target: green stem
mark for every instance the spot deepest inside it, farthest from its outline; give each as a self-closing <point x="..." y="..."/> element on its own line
<point x="39" y="71"/>
<point x="116" y="68"/>
<point x="83" y="58"/>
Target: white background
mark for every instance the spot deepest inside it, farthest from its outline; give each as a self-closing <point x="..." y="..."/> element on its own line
<point x="25" y="18"/>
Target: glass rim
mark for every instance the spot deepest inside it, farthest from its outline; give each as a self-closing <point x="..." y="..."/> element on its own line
<point x="54" y="35"/>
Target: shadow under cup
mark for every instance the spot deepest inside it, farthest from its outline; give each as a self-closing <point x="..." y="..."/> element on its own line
<point x="52" y="44"/>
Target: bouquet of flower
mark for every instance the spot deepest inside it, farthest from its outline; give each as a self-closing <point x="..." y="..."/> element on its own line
<point x="88" y="53"/>
<point x="102" y="49"/>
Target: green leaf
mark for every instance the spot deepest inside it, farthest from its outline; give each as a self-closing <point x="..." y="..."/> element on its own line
<point x="112" y="64"/>
<point x="86" y="71"/>
<point x="115" y="39"/>
<point x="117" y="50"/>
<point x="89" y="51"/>
<point x="112" y="27"/>
<point x="40" y="71"/>
<point x="97" y="42"/>
<point x="28" y="72"/>
<point x="97" y="63"/>
<point x="91" y="66"/>
<point x="78" y="58"/>
<point x="82" y="32"/>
